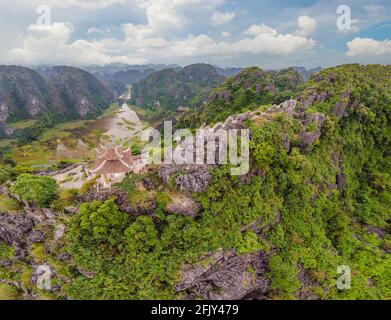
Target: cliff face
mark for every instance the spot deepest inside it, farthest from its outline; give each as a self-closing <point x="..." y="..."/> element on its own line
<point x="127" y="77"/>
<point x="64" y="92"/>
<point x="23" y="93"/>
<point x="120" y="80"/>
<point x="80" y="91"/>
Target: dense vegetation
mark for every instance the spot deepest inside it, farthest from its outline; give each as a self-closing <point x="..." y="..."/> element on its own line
<point x="247" y="90"/>
<point x="35" y="190"/>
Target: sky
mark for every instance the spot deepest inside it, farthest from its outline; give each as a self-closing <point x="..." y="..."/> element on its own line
<point x="267" y="33"/>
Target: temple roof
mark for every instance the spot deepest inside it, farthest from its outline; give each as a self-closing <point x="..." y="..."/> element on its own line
<point x="113" y="160"/>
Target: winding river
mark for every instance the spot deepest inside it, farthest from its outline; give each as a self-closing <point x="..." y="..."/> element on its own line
<point x="124" y="125"/>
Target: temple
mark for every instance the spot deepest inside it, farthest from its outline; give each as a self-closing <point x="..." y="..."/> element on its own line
<point x="112" y="164"/>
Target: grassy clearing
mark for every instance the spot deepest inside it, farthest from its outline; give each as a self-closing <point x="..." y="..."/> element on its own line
<point x="6" y="252"/>
<point x="44" y="151"/>
<point x="32" y="154"/>
<point x="8" y="293"/>
<point x="148" y="117"/>
<point x="8" y="205"/>
<point x="73" y="125"/>
<point x="6" y="143"/>
<point x="134" y="141"/>
<point x="63" y="130"/>
<point x="24" y="124"/>
<point x="110" y="111"/>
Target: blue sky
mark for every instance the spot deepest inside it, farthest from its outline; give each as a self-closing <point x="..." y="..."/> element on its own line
<point x="268" y="33"/>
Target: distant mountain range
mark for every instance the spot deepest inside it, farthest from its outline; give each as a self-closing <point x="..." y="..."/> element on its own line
<point x="128" y="74"/>
<point x="117" y="67"/>
<point x="119" y="76"/>
<point x="122" y="79"/>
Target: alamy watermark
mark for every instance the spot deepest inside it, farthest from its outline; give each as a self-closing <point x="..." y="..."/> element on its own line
<point x="207" y="146"/>
<point x="344" y="21"/>
<point x="45" y="15"/>
<point x="345" y="279"/>
<point x="44" y="276"/>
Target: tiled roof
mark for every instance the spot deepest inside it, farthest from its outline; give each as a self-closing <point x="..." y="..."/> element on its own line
<point x="113" y="160"/>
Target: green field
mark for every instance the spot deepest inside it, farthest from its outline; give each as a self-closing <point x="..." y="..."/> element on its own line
<point x="8" y="204"/>
<point x="24" y="124"/>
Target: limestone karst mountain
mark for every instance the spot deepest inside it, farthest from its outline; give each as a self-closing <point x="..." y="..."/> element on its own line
<point x="61" y="93"/>
<point x="170" y="89"/>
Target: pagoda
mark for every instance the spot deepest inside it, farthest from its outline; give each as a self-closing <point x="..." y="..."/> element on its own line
<point x="112" y="164"/>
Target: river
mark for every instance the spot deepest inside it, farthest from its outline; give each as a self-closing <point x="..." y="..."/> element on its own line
<point x="124" y="125"/>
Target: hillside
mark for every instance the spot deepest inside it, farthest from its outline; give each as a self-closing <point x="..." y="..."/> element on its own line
<point x="228" y="72"/>
<point x="169" y="89"/>
<point x="79" y="90"/>
<point x="61" y="93"/>
<point x="127" y="77"/>
<point x="248" y="90"/>
<point x="119" y="81"/>
<point x="306" y="74"/>
<point x="287" y="80"/>
<point x="317" y="197"/>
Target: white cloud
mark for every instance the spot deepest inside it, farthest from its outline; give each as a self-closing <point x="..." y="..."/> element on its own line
<point x="256" y="30"/>
<point x="49" y="44"/>
<point x="166" y="14"/>
<point x="220" y="18"/>
<point x="150" y="42"/>
<point x="268" y="42"/>
<point x="84" y="4"/>
<point x="368" y="47"/>
<point x="374" y="9"/>
<point x="42" y="42"/>
<point x="307" y="26"/>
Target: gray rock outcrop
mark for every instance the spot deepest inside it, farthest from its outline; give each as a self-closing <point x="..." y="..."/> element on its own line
<point x="188" y="178"/>
<point x="227" y="276"/>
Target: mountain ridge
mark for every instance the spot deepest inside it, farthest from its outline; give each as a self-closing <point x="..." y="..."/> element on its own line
<point x="64" y="92"/>
<point x="170" y="88"/>
<point x="249" y="89"/>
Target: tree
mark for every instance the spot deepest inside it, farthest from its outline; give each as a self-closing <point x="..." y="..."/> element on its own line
<point x="142" y="234"/>
<point x="36" y="189"/>
<point x="250" y="243"/>
<point x="102" y="222"/>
